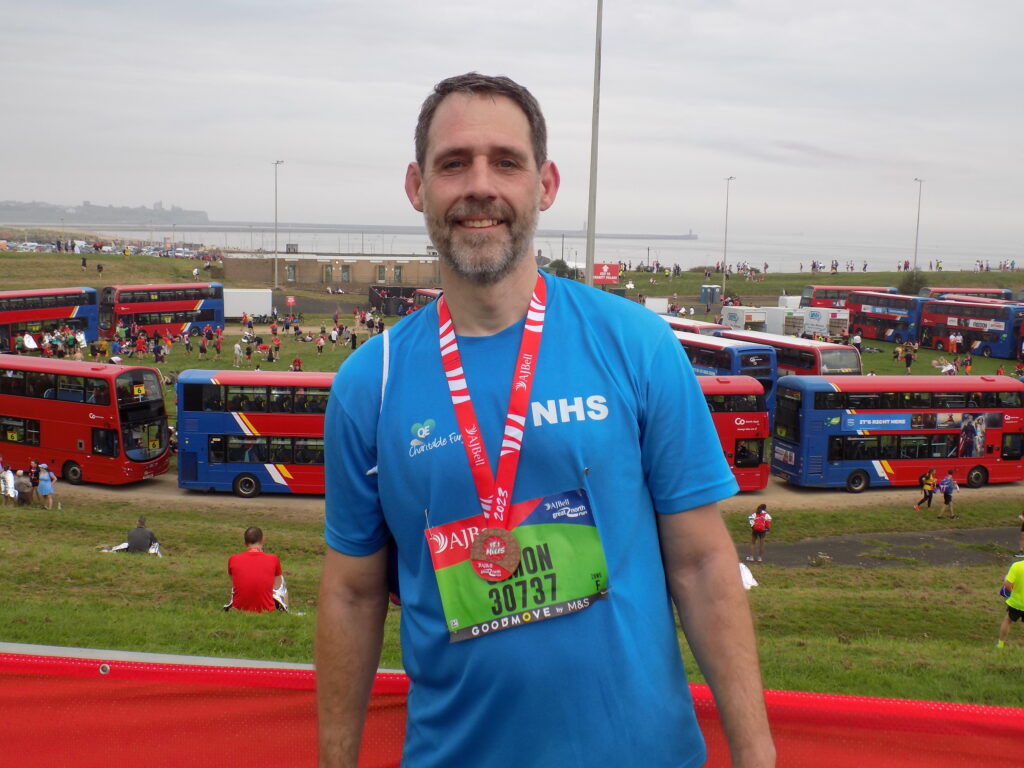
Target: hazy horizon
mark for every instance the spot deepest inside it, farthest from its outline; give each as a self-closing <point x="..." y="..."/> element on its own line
<point x="823" y="111"/>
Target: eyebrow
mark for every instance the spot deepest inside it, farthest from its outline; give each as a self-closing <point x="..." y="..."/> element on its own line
<point x="500" y="150"/>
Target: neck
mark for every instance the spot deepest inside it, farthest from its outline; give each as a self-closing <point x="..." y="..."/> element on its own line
<point x="483" y="310"/>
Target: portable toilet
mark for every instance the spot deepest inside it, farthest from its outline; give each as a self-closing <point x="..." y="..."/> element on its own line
<point x="709" y="294"/>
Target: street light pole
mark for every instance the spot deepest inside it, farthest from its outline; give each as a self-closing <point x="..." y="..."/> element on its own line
<point x="276" y="163"/>
<point x="725" y="239"/>
<point x="917" y="229"/>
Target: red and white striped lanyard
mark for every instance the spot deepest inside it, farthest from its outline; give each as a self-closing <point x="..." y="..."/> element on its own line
<point x="495" y="493"/>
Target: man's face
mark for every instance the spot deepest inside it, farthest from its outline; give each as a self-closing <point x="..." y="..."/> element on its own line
<point x="480" y="189"/>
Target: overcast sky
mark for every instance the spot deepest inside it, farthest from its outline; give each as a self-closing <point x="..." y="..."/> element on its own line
<point x="824" y="110"/>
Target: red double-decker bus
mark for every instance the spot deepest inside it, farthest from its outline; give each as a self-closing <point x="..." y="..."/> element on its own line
<point x="40" y="310"/>
<point x="804" y="357"/>
<point x="887" y="316"/>
<point x="173" y="309"/>
<point x="87" y="421"/>
<point x="835" y="295"/>
<point x="687" y="325"/>
<point x="988" y="293"/>
<point x="989" y="328"/>
<point x="741" y="419"/>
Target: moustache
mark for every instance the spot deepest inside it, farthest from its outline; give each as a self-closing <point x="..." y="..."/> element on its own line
<point x="480" y="210"/>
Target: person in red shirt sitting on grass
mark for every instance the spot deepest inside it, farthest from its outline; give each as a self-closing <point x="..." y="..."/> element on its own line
<point x="257" y="583"/>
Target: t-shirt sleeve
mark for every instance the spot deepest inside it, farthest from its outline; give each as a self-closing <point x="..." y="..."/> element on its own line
<point x="354" y="523"/>
<point x="682" y="456"/>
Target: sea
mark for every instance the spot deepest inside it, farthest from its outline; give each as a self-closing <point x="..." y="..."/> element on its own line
<point x="780" y="254"/>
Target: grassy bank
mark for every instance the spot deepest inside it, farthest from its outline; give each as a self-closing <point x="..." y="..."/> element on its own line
<point x="913" y="631"/>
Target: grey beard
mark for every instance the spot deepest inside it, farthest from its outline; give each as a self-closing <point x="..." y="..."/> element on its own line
<point x="467" y="258"/>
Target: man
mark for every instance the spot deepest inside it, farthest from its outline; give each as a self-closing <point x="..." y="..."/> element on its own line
<point x="561" y="659"/>
<point x="141" y="539"/>
<point x="257" y="583"/>
<point x="948" y="486"/>
<point x="1013" y="591"/>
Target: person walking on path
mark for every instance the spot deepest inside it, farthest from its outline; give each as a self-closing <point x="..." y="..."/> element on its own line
<point x="927" y="489"/>
<point x="948" y="486"/>
<point x="760" y="523"/>
<point x="1020" y="536"/>
<point x="1013" y="591"/>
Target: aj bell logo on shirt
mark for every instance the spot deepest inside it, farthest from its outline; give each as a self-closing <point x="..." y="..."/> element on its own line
<point x="564" y="410"/>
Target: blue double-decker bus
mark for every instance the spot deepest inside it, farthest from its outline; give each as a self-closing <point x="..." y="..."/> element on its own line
<point x="717" y="356"/>
<point x="856" y="432"/>
<point x="252" y="432"/>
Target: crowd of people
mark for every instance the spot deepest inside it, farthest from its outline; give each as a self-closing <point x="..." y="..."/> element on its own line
<point x="31" y="486"/>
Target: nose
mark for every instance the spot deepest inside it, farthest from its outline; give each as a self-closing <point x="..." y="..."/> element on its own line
<point x="480" y="180"/>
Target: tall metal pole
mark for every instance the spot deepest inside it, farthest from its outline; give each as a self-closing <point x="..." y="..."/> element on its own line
<point x="276" y="163"/>
<point x="725" y="239"/>
<point x="592" y="202"/>
<point x="917" y="229"/>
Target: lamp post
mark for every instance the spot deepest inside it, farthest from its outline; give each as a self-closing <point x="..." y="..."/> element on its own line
<point x="276" y="163"/>
<point x="917" y="229"/>
<point x="725" y="239"/>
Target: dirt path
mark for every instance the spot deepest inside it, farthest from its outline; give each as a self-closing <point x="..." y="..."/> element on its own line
<point x="955" y="546"/>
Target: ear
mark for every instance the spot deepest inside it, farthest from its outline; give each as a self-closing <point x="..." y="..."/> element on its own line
<point x="550" y="180"/>
<point x="414" y="186"/>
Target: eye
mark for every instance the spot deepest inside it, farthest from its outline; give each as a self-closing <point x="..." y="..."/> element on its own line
<point x="508" y="164"/>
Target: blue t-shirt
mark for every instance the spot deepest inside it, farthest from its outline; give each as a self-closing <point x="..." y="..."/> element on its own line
<point x="616" y="410"/>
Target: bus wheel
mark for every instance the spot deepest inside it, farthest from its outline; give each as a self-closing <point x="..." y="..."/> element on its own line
<point x="898" y="338"/>
<point x="246" y="486"/>
<point x="193" y="332"/>
<point x="986" y="351"/>
<point x="977" y="477"/>
<point x="72" y="473"/>
<point x="857" y="481"/>
<point x="939" y="346"/>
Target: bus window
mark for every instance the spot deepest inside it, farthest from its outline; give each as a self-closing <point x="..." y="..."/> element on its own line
<point x="1013" y="447"/>
<point x="12" y="383"/>
<point x="104" y="442"/>
<point x="281" y="450"/>
<point x="217" y="449"/>
<point x="748" y="453"/>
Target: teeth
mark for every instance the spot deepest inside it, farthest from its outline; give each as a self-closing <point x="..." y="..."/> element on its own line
<point x="480" y="223"/>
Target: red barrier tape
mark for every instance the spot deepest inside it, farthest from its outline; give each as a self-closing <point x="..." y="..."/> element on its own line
<point x="64" y="711"/>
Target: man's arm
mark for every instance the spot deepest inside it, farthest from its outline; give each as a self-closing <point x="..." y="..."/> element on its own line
<point x="349" y="633"/>
<point x="704" y="580"/>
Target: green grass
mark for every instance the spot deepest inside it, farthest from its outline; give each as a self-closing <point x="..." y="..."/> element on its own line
<point x="912" y="632"/>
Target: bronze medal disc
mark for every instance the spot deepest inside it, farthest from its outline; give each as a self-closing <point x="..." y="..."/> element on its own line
<point x="495" y="554"/>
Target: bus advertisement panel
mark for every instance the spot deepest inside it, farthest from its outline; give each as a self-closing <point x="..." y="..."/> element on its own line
<point x="717" y="356"/>
<point x="741" y="419"/>
<point x="835" y="295"/>
<point x="87" y="421"/>
<point x="252" y="431"/>
<point x="989" y="293"/>
<point x="805" y="357"/>
<point x="854" y="432"/>
<point x="688" y="325"/>
<point x="45" y="310"/>
<point x="173" y="309"/>
<point x="886" y="316"/>
<point x="989" y="329"/>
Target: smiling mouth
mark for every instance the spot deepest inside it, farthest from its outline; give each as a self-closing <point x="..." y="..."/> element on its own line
<point x="480" y="223"/>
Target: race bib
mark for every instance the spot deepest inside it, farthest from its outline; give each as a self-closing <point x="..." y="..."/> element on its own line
<point x="561" y="570"/>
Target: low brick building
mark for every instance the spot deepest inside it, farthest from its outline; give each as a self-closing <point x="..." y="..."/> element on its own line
<point x="351" y="272"/>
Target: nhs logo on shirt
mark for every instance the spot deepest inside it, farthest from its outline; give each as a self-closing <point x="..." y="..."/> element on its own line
<point x="565" y="410"/>
<point x="428" y="436"/>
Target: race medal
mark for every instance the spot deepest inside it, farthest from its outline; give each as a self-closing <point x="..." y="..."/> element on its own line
<point x="495" y="554"/>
